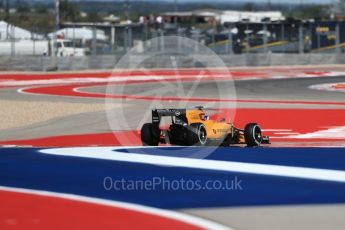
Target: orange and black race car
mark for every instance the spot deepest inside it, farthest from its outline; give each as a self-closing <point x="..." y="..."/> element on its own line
<point x="193" y="127"/>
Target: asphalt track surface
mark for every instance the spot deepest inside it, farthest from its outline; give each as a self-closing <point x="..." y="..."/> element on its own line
<point x="269" y="93"/>
<point x="277" y="89"/>
<point x="268" y="201"/>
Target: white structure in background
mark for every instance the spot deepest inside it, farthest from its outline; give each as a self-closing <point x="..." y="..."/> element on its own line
<point x="64" y="48"/>
<point x="159" y="19"/>
<point x="237" y="16"/>
<point x="231" y="16"/>
<point x="82" y="34"/>
<point x="112" y="19"/>
<point x="8" y="32"/>
<point x="141" y="19"/>
<point x="18" y="41"/>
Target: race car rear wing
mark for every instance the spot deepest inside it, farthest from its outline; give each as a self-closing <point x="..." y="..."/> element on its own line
<point x="158" y="113"/>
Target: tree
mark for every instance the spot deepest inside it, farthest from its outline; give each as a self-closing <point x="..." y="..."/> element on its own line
<point x="5" y="4"/>
<point x="69" y="11"/>
<point x="93" y="17"/>
<point x="312" y="11"/>
<point x="41" y="9"/>
<point x="23" y="9"/>
<point x="249" y="6"/>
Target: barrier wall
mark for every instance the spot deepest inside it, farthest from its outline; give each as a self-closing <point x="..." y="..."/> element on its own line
<point x="34" y="63"/>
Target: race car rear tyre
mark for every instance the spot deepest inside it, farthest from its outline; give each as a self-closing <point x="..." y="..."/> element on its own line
<point x="148" y="137"/>
<point x="252" y="135"/>
<point x="196" y="134"/>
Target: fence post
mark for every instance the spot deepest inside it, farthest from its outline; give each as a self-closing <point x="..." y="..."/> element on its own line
<point x="213" y="36"/>
<point x="13" y="51"/>
<point x="337" y="38"/>
<point x="300" y="38"/>
<point x="161" y="39"/>
<point x="125" y="35"/>
<point x="129" y="37"/>
<point x="229" y="46"/>
<point x="73" y="39"/>
<point x="94" y="40"/>
<point x="178" y="40"/>
<point x="57" y="27"/>
<point x="33" y="41"/>
<point x="34" y="46"/>
<point x="113" y="37"/>
<point x="318" y="37"/>
<point x="283" y="35"/>
<point x="247" y="38"/>
<point x="265" y="37"/>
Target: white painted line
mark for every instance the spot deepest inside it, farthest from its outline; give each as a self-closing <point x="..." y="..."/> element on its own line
<point x="331" y="133"/>
<point x="117" y="79"/>
<point x="111" y="78"/>
<point x="109" y="153"/>
<point x="8" y="146"/>
<point x="277" y="130"/>
<point x="248" y="78"/>
<point x="327" y="87"/>
<point x="335" y="73"/>
<point x="81" y="80"/>
<point x="286" y="133"/>
<point x="22" y="91"/>
<point x="279" y="77"/>
<point x="206" y="224"/>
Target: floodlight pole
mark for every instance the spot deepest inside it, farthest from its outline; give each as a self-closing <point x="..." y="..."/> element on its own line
<point x="57" y="27"/>
<point x="175" y="10"/>
<point x="57" y="14"/>
<point x="7" y="10"/>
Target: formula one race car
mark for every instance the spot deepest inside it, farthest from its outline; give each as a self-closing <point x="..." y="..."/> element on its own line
<point x="192" y="127"/>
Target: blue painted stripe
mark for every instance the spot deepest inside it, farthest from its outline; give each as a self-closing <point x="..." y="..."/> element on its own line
<point x="323" y="158"/>
<point x="27" y="168"/>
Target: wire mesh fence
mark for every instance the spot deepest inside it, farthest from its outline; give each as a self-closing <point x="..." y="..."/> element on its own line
<point x="236" y="38"/>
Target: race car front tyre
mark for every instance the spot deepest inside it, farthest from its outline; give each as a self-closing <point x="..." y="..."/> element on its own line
<point x="196" y="134"/>
<point x="147" y="135"/>
<point x="252" y="135"/>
